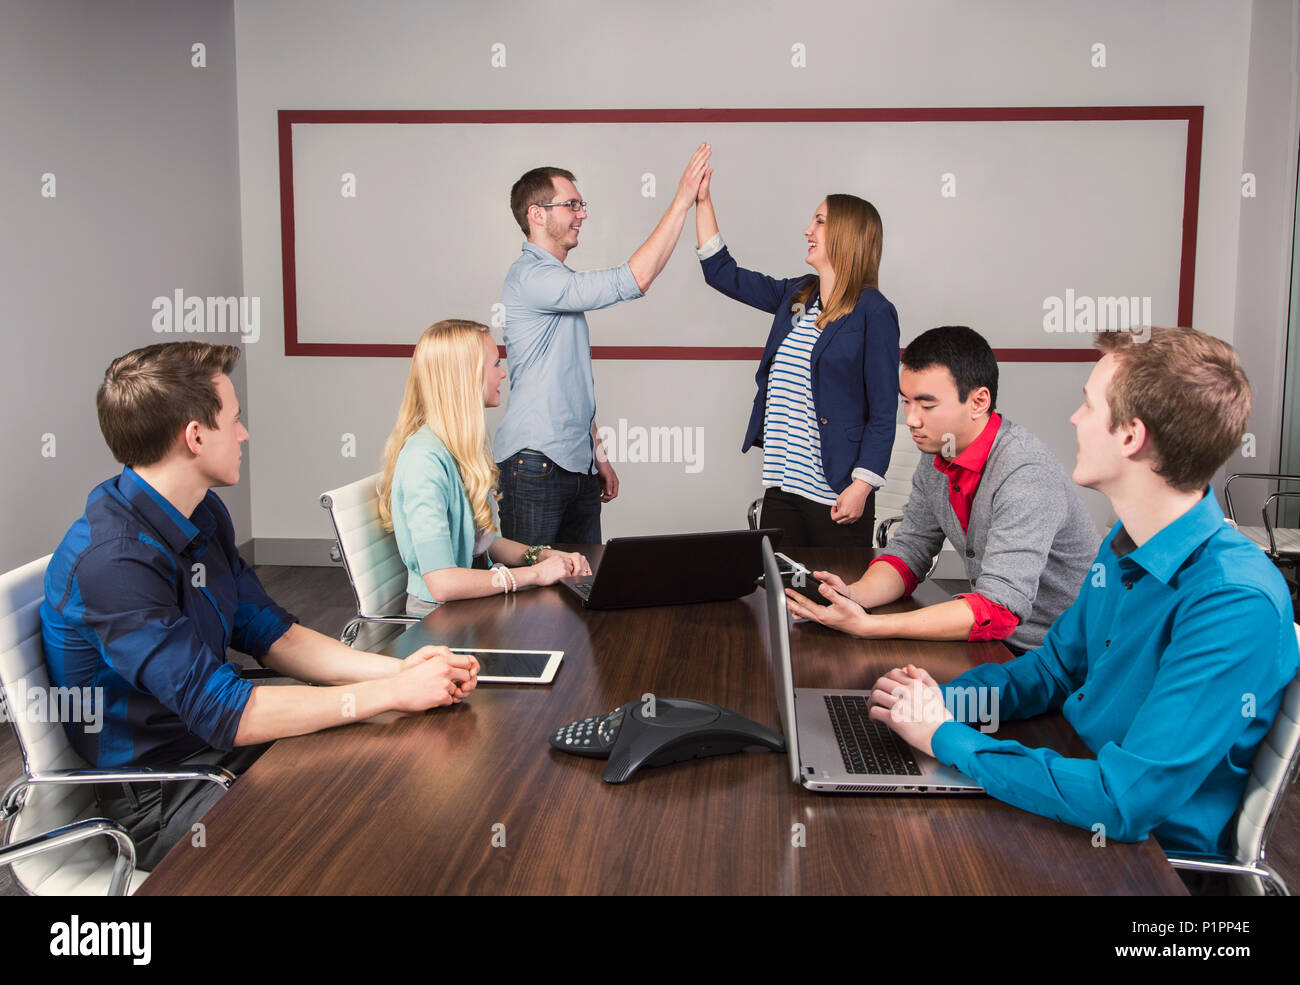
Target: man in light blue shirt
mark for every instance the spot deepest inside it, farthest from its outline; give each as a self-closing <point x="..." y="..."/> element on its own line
<point x="554" y="475"/>
<point x="1172" y="663"/>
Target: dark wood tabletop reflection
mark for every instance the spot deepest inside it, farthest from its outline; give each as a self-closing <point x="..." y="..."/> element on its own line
<point x="472" y="799"/>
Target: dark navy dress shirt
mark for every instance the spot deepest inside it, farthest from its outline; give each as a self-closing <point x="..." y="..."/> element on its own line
<point x="141" y="604"/>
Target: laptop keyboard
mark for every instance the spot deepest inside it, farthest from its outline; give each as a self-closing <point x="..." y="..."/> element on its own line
<point x="583" y="588"/>
<point x="867" y="746"/>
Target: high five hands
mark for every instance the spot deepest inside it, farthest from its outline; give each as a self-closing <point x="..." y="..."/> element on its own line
<point x="694" y="177"/>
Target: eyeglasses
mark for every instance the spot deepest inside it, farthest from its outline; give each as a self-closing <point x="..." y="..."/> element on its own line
<point x="574" y="204"/>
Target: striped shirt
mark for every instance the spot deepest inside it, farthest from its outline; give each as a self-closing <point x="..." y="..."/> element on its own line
<point x="792" y="450"/>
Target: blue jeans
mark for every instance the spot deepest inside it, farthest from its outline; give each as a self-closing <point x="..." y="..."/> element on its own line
<point x="542" y="503"/>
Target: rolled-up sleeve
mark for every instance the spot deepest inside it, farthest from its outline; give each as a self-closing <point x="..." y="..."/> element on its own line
<point x="713" y="245"/>
<point x="910" y="580"/>
<point x="554" y="287"/>
<point x="258" y="621"/>
<point x="128" y="590"/>
<point x="992" y="621"/>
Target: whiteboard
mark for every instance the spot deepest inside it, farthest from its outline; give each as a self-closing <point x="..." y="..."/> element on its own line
<point x="984" y="221"/>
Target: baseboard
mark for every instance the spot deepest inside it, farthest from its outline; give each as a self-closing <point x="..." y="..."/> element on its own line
<point x="311" y="552"/>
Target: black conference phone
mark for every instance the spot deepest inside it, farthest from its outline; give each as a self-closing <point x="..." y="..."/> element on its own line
<point x="657" y="731"/>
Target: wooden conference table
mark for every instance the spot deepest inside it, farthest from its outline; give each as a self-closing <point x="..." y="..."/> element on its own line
<point x="472" y="799"/>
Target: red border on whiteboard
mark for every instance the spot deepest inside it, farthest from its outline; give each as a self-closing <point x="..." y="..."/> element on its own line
<point x="1192" y="115"/>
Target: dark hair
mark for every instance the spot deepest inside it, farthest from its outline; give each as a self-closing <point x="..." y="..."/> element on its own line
<point x="150" y="395"/>
<point x="534" y="188"/>
<point x="1188" y="389"/>
<point x="960" y="350"/>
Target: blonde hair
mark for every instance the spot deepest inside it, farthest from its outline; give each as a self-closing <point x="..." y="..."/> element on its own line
<point x="854" y="242"/>
<point x="444" y="389"/>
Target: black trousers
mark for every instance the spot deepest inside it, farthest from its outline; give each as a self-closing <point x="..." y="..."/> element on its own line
<point x="159" y="815"/>
<point x="807" y="524"/>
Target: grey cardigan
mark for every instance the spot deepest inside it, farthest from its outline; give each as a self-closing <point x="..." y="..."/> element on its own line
<point x="1030" y="541"/>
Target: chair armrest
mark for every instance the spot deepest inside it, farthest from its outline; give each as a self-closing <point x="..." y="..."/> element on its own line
<point x="1268" y="527"/>
<point x="123" y="865"/>
<point x="1228" y="866"/>
<point x="1205" y="863"/>
<point x="1227" y="495"/>
<point x="399" y="620"/>
<point x="17" y="792"/>
<point x="882" y="529"/>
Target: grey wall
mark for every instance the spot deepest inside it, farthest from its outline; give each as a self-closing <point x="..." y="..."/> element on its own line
<point x="144" y="152"/>
<point x="394" y="55"/>
<point x="1264" y="259"/>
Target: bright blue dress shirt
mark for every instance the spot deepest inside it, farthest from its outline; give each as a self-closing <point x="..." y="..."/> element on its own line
<point x="143" y="602"/>
<point x="552" y="402"/>
<point x="1171" y="667"/>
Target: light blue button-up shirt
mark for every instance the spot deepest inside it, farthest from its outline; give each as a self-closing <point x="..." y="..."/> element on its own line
<point x="552" y="402"/>
<point x="1170" y="665"/>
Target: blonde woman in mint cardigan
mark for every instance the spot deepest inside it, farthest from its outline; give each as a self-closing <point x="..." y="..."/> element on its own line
<point x="438" y="487"/>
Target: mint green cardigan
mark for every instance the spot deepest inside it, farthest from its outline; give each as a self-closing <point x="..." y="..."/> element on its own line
<point x="432" y="517"/>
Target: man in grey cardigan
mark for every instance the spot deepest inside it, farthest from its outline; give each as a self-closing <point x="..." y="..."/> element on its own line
<point x="995" y="491"/>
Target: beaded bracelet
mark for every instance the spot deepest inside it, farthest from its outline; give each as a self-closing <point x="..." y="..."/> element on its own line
<point x="531" y="555"/>
<point x="508" y="583"/>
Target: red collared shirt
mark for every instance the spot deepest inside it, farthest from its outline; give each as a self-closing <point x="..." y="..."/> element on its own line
<point x="992" y="621"/>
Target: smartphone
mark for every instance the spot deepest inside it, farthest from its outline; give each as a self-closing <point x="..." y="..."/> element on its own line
<point x="789" y="568"/>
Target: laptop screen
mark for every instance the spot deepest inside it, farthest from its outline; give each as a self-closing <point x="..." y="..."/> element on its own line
<point x="778" y="652"/>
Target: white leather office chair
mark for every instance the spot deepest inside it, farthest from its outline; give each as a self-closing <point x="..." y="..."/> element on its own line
<point x="370" y="557"/>
<point x="1281" y="544"/>
<point x="54" y="840"/>
<point x="892" y="496"/>
<point x="1272" y="772"/>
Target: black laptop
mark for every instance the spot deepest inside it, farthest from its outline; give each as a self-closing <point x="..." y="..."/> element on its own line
<point x="674" y="569"/>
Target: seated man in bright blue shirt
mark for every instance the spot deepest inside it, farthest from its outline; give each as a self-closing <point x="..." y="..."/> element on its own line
<point x="147" y="590"/>
<point x="553" y="472"/>
<point x="1172" y="662"/>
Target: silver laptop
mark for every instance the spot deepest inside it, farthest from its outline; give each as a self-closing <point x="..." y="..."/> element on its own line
<point x="835" y="745"/>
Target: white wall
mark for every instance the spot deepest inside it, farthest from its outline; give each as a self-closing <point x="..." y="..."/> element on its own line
<point x="399" y="55"/>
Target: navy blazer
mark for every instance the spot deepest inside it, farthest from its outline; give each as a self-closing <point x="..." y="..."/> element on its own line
<point x="854" y="369"/>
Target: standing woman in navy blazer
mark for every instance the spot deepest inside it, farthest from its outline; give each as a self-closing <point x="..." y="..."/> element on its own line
<point x="828" y="382"/>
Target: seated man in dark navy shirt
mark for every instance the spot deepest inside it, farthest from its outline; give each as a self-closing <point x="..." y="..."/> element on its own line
<point x="147" y="590"/>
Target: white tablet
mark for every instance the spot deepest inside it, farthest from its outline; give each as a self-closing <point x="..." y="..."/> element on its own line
<point x="514" y="666"/>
